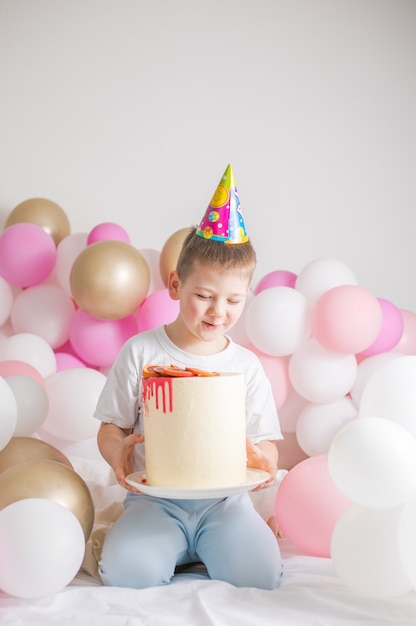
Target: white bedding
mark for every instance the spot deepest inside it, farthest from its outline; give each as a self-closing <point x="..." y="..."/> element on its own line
<point x="310" y="593"/>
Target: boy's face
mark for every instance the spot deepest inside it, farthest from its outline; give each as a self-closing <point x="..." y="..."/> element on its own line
<point x="211" y="301"/>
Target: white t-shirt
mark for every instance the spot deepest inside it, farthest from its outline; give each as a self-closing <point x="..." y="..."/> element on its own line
<point x="120" y="402"/>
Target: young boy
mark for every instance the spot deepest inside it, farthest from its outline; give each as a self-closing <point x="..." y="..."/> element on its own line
<point x="155" y="535"/>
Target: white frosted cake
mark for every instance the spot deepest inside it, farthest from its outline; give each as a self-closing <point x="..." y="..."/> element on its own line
<point x="194" y="428"/>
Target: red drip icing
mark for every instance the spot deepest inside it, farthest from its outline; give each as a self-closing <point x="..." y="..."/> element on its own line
<point x="156" y="387"/>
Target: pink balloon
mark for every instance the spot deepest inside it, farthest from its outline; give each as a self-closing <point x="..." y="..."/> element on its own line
<point x="275" y="279"/>
<point x="107" y="230"/>
<point x="65" y="361"/>
<point x="27" y="254"/>
<point x="276" y="369"/>
<point x="157" y="309"/>
<point x="19" y="368"/>
<point x="407" y="343"/>
<point x="391" y="329"/>
<point x="308" y="505"/>
<point x="97" y="342"/>
<point x="346" y="319"/>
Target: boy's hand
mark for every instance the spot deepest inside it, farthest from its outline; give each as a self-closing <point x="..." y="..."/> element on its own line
<point x="262" y="456"/>
<point x="123" y="459"/>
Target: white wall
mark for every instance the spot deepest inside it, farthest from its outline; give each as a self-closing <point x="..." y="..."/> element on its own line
<point x="129" y="111"/>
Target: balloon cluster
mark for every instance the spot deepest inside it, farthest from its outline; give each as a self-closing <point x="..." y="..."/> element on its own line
<point x="338" y="359"/>
<point x="348" y="371"/>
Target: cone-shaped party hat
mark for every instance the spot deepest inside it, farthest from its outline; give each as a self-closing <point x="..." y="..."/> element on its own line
<point x="223" y="220"/>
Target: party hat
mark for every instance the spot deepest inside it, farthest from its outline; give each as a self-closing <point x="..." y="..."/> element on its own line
<point x="223" y="220"/>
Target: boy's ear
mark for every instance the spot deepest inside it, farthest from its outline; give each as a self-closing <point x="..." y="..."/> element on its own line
<point x="173" y="285"/>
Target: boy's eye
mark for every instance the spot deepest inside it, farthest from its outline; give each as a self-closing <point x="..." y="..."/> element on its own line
<point x="199" y="295"/>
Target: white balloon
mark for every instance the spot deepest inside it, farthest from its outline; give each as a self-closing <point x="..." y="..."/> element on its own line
<point x="365" y="552"/>
<point x="44" y="310"/>
<point x="8" y="413"/>
<point x="372" y="461"/>
<point x="67" y="251"/>
<point x="31" y="349"/>
<point x="397" y="406"/>
<point x="366" y="369"/>
<point x="322" y="274"/>
<point x="277" y="321"/>
<point x="394" y="376"/>
<point x="318" y="424"/>
<point x="42" y="546"/>
<point x="73" y="396"/>
<point x="6" y="300"/>
<point x="319" y="375"/>
<point x="32" y="404"/>
<point x="152" y="258"/>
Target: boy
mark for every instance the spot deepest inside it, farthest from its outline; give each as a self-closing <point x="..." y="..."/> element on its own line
<point x="154" y="535"/>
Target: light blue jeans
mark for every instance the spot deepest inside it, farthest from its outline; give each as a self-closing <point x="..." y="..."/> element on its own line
<point x="153" y="536"/>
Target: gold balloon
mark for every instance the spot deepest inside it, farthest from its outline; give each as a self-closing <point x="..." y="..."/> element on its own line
<point x="109" y="279"/>
<point x="20" y="449"/>
<point x="53" y="481"/>
<point x="44" y="213"/>
<point x="170" y="253"/>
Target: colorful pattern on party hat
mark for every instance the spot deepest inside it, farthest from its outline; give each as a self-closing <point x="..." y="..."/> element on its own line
<point x="223" y="220"/>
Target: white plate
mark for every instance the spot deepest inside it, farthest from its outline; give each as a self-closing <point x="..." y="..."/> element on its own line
<point x="254" y="477"/>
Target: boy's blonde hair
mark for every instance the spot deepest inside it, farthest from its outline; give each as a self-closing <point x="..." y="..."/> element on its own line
<point x="196" y="249"/>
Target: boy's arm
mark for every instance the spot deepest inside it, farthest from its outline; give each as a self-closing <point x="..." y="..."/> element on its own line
<point x="117" y="447"/>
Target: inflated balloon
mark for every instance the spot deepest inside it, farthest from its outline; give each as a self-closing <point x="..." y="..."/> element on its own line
<point x="32" y="404"/>
<point x="365" y="552"/>
<point x="30" y="349"/>
<point x="277" y="321"/>
<point x="65" y="361"/>
<point x="109" y="279"/>
<point x="276" y="369"/>
<point x="152" y="258"/>
<point x="52" y="480"/>
<point x="44" y="310"/>
<point x="320" y="375"/>
<point x="21" y="449"/>
<point x="73" y="396"/>
<point x="277" y="278"/>
<point x="393" y="376"/>
<point x="407" y="343"/>
<point x="322" y="274"/>
<point x="44" y="534"/>
<point x="8" y="413"/>
<point x="98" y="342"/>
<point x="6" y="300"/>
<point x="107" y="230"/>
<point x="43" y="212"/>
<point x="398" y="406"/>
<point x="391" y="329"/>
<point x="20" y="368"/>
<point x="27" y="255"/>
<point x="366" y="368"/>
<point x="66" y="253"/>
<point x="346" y="319"/>
<point x="372" y="461"/>
<point x="308" y="505"/>
<point x="170" y="253"/>
<point x="157" y="309"/>
<point x="318" y="424"/>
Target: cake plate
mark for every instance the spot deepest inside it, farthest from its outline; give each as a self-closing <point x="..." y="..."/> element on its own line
<point x="254" y="478"/>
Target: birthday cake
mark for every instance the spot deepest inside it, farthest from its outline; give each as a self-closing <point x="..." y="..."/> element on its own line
<point x="194" y="428"/>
